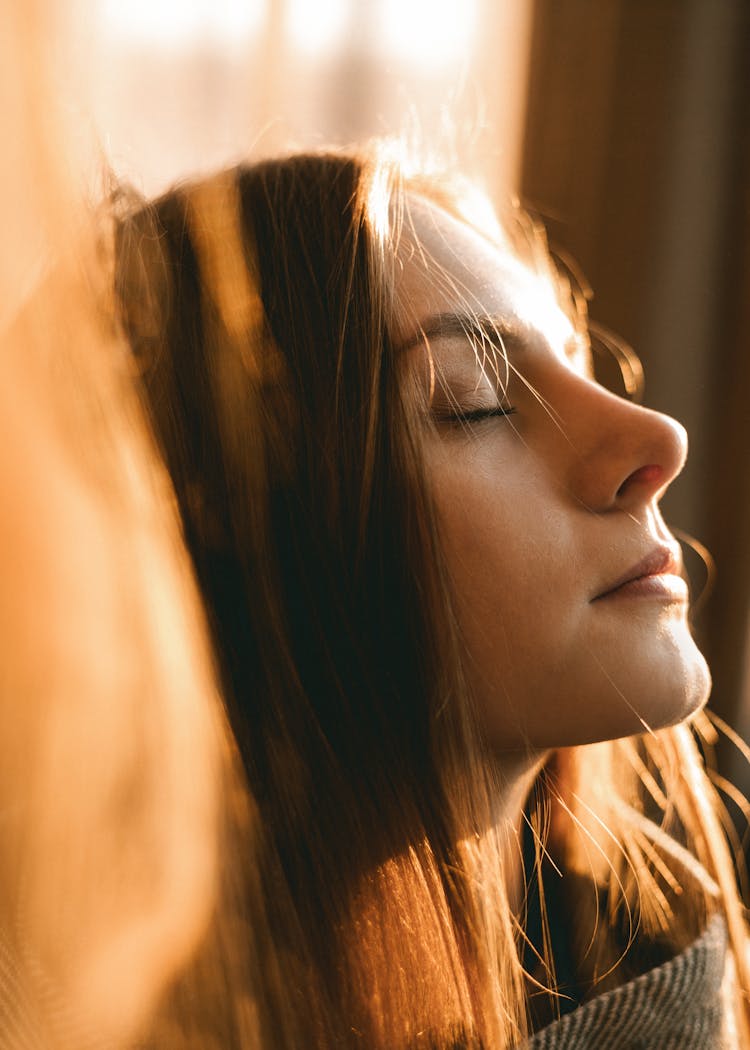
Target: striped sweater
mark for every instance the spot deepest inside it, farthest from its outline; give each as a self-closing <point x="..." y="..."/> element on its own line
<point x="676" y="1006"/>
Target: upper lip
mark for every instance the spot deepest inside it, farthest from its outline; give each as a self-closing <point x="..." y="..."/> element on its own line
<point x="662" y="560"/>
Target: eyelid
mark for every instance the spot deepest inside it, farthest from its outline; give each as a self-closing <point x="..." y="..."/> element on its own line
<point x="485" y="333"/>
<point x="468" y="417"/>
<point x="466" y="401"/>
<point x="458" y="396"/>
<point x="472" y="415"/>
<point x="478" y="389"/>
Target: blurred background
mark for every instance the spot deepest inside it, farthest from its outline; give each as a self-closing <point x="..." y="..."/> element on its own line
<point x="624" y="123"/>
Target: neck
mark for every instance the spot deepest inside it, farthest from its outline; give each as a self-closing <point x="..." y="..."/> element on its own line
<point x="517" y="776"/>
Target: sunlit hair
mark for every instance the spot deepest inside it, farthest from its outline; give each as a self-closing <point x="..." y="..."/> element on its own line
<point x="364" y="901"/>
<point x="114" y="752"/>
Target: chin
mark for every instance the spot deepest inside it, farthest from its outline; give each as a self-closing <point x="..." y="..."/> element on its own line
<point x="628" y="701"/>
<point x="697" y="687"/>
<point x="672" y="689"/>
<point x="606" y="693"/>
<point x="654" y="680"/>
<point x="681" y="678"/>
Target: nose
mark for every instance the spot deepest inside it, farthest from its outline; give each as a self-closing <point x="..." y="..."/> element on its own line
<point x="623" y="455"/>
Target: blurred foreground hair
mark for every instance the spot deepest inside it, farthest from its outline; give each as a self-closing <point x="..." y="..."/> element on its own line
<point x="363" y="896"/>
<point x="113" y="748"/>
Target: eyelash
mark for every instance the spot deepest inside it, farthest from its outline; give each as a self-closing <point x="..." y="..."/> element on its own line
<point x="477" y="415"/>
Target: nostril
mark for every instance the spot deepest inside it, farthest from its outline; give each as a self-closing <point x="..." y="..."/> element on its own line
<point x="651" y="475"/>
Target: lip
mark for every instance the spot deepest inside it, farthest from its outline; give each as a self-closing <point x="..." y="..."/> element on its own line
<point x="658" y="575"/>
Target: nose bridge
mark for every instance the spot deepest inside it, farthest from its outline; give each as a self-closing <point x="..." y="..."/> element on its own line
<point x="622" y="454"/>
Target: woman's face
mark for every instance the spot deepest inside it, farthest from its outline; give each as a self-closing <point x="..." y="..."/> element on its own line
<point x="567" y="585"/>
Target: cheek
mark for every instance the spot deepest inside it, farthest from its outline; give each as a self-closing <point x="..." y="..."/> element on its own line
<point x="506" y="537"/>
<point x="546" y="666"/>
<point x="515" y="579"/>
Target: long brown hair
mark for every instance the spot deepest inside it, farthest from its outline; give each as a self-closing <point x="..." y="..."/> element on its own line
<point x="365" y="902"/>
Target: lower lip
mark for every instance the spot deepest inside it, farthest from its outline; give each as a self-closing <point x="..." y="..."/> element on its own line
<point x="665" y="587"/>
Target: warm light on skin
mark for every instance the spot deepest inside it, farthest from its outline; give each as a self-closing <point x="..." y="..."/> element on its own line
<point x="541" y="510"/>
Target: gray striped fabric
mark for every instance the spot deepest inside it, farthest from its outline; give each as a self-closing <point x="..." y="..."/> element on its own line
<point x="676" y="1006"/>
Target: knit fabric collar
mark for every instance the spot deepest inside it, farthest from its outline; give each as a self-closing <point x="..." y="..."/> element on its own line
<point x="676" y="1006"/>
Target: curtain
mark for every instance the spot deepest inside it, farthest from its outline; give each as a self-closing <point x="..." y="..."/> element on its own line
<point x="181" y="88"/>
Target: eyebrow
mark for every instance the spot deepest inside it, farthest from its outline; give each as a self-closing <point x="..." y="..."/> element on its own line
<point x="463" y="325"/>
<point x="513" y="334"/>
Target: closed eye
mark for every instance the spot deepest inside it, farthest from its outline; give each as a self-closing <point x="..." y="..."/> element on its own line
<point x="462" y="417"/>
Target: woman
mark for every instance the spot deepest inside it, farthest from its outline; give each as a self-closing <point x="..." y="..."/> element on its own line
<point x="435" y="572"/>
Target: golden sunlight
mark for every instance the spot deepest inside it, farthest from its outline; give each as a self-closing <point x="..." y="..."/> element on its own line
<point x="427" y="32"/>
<point x="317" y="28"/>
<point x="175" y="23"/>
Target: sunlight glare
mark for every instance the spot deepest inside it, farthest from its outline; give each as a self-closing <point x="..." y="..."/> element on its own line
<point x="318" y="27"/>
<point x="427" y="32"/>
<point x="175" y="23"/>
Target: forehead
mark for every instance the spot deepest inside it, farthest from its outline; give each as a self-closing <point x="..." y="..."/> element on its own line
<point x="446" y="265"/>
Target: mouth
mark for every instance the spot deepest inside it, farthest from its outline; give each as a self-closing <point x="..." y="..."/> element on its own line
<point x="658" y="575"/>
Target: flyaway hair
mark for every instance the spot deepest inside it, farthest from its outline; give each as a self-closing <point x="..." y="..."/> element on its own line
<point x="291" y="430"/>
<point x="247" y="803"/>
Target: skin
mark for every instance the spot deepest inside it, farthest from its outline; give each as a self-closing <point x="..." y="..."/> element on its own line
<point x="543" y="510"/>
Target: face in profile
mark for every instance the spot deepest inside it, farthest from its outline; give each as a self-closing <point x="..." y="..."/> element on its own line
<point x="567" y="584"/>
